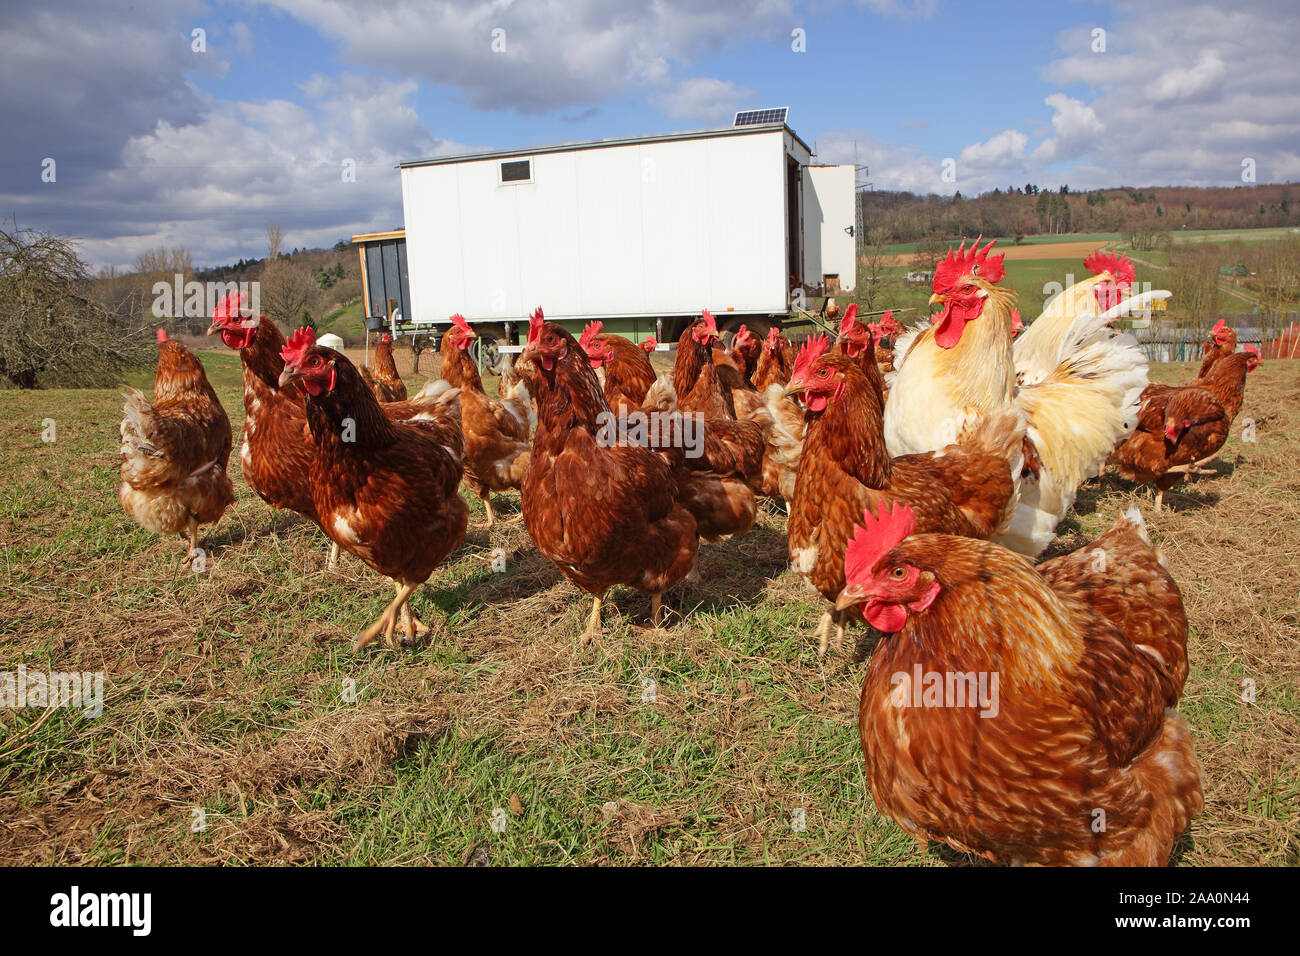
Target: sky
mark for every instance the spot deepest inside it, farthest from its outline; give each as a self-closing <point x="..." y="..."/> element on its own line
<point x="134" y="125"/>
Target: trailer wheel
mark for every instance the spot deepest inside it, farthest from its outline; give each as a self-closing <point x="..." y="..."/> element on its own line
<point x="487" y="353"/>
<point x="758" y="324"/>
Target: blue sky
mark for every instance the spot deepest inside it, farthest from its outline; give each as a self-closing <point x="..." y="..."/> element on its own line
<point x="159" y="145"/>
<point x="855" y="66"/>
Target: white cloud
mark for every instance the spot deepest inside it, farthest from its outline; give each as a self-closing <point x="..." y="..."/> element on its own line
<point x="242" y="38"/>
<point x="1180" y="83"/>
<point x="549" y="54"/>
<point x="888" y="166"/>
<point x="701" y="99"/>
<point x="1076" y="126"/>
<point x="1006" y="148"/>
<point x="921" y="9"/>
<point x="213" y="184"/>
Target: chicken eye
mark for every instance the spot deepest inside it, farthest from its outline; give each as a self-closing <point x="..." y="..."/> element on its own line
<point x="898" y="573"/>
<point x="823" y="371"/>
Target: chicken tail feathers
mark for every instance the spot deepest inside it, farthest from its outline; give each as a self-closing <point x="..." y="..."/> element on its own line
<point x="1169" y="771"/>
<point x="661" y="396"/>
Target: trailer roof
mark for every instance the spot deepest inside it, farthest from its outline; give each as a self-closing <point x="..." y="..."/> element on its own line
<point x="605" y="143"/>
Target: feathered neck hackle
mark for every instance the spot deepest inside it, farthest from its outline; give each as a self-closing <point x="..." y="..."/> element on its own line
<point x="994" y="612"/>
<point x="982" y="364"/>
<point x="569" y="395"/>
<point x="348" y="419"/>
<point x="457" y="368"/>
<point x="850" y="430"/>
<point x="179" y="372"/>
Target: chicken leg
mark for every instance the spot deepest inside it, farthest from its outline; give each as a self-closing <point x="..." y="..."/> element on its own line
<point x="413" y="626"/>
<point x="387" y="621"/>
<point x="656" y="609"/>
<point x="823" y="632"/>
<point x="193" y="530"/>
<point x="592" y="633"/>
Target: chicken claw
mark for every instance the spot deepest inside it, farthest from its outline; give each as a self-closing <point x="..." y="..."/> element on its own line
<point x="592" y="633"/>
<point x="387" y="621"/>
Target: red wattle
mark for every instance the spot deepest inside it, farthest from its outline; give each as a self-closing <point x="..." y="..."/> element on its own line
<point x="948" y="332"/>
<point x="887" y="618"/>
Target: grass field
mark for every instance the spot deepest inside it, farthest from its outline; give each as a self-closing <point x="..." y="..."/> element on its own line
<point x="231" y="732"/>
<point x="1034" y="280"/>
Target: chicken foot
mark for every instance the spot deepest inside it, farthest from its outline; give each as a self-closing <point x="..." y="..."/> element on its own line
<point x="192" y="529"/>
<point x="592" y="633"/>
<point x="491" y="512"/>
<point x="387" y="621"/>
<point x="413" y="626"/>
<point x="823" y="632"/>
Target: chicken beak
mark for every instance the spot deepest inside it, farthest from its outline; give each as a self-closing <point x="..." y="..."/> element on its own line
<point x="849" y="597"/>
<point x="289" y="374"/>
<point x="937" y="298"/>
<point x="794" y="387"/>
<point x="214" y="328"/>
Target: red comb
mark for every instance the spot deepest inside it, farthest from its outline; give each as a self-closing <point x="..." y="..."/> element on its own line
<point x="812" y="350"/>
<point x="772" y="335"/>
<point x="875" y="538"/>
<point x="589" y="333"/>
<point x="1220" y="326"/>
<point x="162" y="335"/>
<point x="850" y="317"/>
<point x="975" y="262"/>
<point x="707" y="316"/>
<point x="298" y="345"/>
<point x="459" y="321"/>
<point x="385" y="337"/>
<point x="1119" y="266"/>
<point x="650" y="343"/>
<point x="535" y="325"/>
<point x="229" y="307"/>
<point x="889" y="324"/>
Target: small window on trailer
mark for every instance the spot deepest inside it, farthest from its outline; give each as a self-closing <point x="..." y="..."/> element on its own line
<point x="516" y="171"/>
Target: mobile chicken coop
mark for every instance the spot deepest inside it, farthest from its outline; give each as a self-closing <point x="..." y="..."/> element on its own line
<point x="639" y="232"/>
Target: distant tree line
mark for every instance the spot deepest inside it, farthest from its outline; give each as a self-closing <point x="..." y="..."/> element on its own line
<point x="1028" y="209"/>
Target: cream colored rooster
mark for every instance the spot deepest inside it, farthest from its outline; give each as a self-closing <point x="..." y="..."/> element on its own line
<point x="1075" y="379"/>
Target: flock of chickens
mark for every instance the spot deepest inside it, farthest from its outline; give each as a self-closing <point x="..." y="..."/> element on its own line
<point x="1020" y="711"/>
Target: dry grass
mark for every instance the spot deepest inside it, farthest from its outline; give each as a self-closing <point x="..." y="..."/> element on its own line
<point x="233" y="699"/>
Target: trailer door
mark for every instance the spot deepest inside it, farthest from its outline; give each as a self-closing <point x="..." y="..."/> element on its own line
<point x="793" y="223"/>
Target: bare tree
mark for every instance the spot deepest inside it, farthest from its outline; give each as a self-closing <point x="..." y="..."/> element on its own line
<point x="164" y="261"/>
<point x="274" y="236"/>
<point x="287" y="290"/>
<point x="53" y="332"/>
<point x="1195" y="285"/>
<point x="873" y="266"/>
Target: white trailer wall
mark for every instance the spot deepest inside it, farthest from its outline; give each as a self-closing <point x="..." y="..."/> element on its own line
<point x="651" y="229"/>
<point x="828" y="214"/>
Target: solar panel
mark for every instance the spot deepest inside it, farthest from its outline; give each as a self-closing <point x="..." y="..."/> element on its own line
<point x="760" y="117"/>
